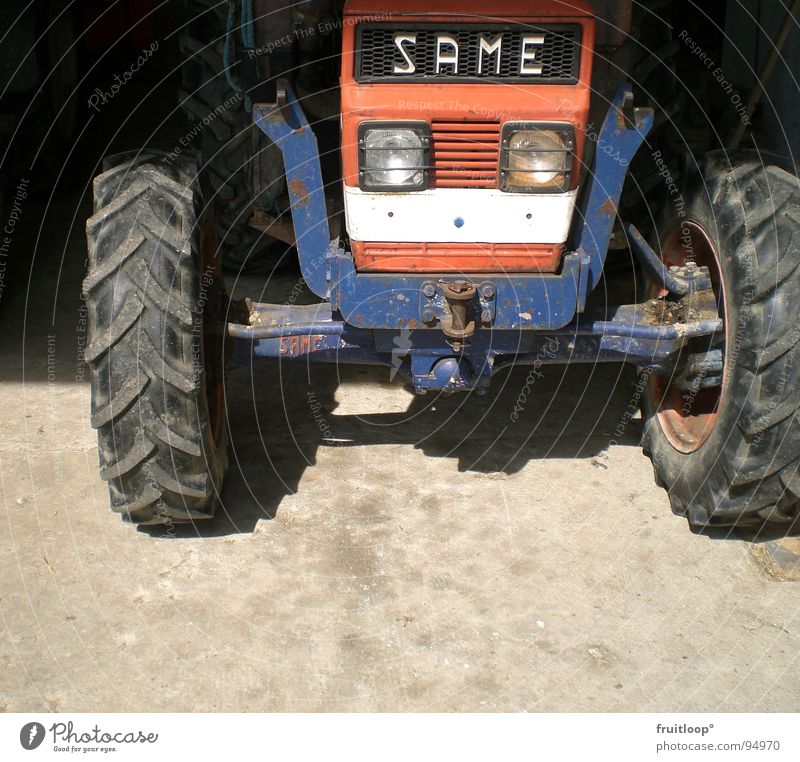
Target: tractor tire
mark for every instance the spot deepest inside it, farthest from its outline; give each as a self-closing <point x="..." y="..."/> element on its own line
<point x="229" y="142"/>
<point x="742" y="468"/>
<point x="155" y="308"/>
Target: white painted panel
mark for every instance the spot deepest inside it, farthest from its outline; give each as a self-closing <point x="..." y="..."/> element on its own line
<point x="488" y="216"/>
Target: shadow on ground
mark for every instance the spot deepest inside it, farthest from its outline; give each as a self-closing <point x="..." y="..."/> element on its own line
<point x="280" y="414"/>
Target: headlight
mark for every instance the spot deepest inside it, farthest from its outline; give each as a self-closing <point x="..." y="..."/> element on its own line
<point x="536" y="157"/>
<point x="393" y="156"/>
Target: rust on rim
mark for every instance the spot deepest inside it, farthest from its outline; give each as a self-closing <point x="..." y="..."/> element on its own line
<point x="688" y="420"/>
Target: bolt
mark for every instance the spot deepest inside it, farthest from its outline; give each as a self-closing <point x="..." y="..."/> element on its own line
<point x="487" y="290"/>
<point x="429" y="290"/>
<point x="486" y="317"/>
<point x="674" y="268"/>
<point x="427" y="315"/>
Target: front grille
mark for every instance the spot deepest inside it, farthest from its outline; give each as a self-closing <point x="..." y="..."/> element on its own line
<point x="464" y="154"/>
<point x="377" y="54"/>
<point x="457" y="257"/>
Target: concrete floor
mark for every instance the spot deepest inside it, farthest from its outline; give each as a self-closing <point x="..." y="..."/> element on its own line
<point x="385" y="552"/>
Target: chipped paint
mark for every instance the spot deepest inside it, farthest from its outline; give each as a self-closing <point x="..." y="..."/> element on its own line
<point x="299" y="192"/>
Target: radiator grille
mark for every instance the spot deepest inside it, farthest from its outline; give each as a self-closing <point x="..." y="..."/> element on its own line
<point x="377" y="55"/>
<point x="464" y="154"/>
<point x="457" y="257"/>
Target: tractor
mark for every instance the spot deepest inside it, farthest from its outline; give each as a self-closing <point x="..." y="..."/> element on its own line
<point x="486" y="162"/>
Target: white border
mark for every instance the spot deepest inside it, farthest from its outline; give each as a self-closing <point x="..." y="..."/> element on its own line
<point x="410" y="737"/>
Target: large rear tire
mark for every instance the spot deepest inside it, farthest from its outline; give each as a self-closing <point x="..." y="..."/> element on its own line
<point x="156" y="306"/>
<point x="730" y="457"/>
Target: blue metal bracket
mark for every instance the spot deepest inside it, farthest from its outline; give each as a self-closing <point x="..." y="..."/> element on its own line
<point x="674" y="282"/>
<point x="286" y="125"/>
<point x="623" y="132"/>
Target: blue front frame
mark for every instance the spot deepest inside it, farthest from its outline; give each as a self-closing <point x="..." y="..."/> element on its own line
<point x="393" y="319"/>
<point x="392" y="300"/>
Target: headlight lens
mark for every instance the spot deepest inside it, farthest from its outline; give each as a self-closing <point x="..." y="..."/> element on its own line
<point x="393" y="157"/>
<point x="536" y="158"/>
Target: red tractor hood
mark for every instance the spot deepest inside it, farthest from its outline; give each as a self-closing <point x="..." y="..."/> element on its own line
<point x="478" y="8"/>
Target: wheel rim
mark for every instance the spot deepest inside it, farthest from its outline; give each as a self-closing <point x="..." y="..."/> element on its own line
<point x="213" y="349"/>
<point x="688" y="423"/>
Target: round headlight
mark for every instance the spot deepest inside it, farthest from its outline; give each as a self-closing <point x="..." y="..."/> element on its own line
<point x="393" y="157"/>
<point x="536" y="158"/>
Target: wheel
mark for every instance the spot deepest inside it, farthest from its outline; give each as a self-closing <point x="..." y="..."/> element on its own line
<point x="727" y="447"/>
<point x="156" y="307"/>
<point x="233" y="149"/>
